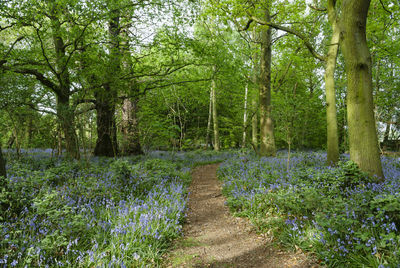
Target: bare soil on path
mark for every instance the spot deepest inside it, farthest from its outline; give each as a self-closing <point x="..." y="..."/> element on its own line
<point x="214" y="238"/>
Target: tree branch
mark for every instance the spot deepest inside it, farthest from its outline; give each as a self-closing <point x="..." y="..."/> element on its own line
<point x="323" y="9"/>
<point x="39" y="76"/>
<point x="291" y="31"/>
<point x="384" y="8"/>
<point x="10" y="49"/>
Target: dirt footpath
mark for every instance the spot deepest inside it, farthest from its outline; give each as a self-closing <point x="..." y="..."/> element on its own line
<point x="214" y="238"/>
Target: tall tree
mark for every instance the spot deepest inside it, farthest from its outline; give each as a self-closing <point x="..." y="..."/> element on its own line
<point x="363" y="139"/>
<point x="330" y="92"/>
<point x="63" y="92"/>
<point x="52" y="41"/>
<point x="106" y="96"/>
<point x="267" y="139"/>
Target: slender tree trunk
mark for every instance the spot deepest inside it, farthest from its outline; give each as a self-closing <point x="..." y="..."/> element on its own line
<point x="59" y="140"/>
<point x="106" y="144"/>
<point x="267" y="145"/>
<point x="387" y="132"/>
<point x="2" y="168"/>
<point x="245" y="117"/>
<point x="215" y="115"/>
<point x="254" y="125"/>
<point x="209" y="121"/>
<point x="363" y="139"/>
<point x="29" y="132"/>
<point x="331" y="113"/>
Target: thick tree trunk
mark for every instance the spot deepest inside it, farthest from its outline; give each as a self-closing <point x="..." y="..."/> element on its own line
<point x="106" y="144"/>
<point x="245" y="117"/>
<point x="130" y="128"/>
<point x="267" y="140"/>
<point x="106" y="132"/>
<point x="66" y="116"/>
<point x="215" y="116"/>
<point x="363" y="139"/>
<point x="331" y="114"/>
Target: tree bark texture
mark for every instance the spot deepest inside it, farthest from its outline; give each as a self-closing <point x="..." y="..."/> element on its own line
<point x="106" y="144"/>
<point x="215" y="116"/>
<point x="130" y="128"/>
<point x="267" y="140"/>
<point x="105" y="121"/>
<point x="363" y="138"/>
<point x="331" y="113"/>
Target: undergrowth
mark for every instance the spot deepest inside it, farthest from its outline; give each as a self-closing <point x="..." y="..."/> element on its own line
<point x="100" y="212"/>
<point x="341" y="215"/>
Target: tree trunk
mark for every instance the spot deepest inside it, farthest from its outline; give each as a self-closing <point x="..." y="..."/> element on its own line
<point x="215" y="115"/>
<point x="209" y="121"/>
<point x="331" y="114"/>
<point x="245" y="117"/>
<point x="267" y="145"/>
<point x="106" y="132"/>
<point x="65" y="112"/>
<point x="2" y="168"/>
<point x="65" y="116"/>
<point x="386" y="135"/>
<point x="106" y="144"/>
<point x="363" y="139"/>
<point x="254" y="124"/>
<point x="130" y="128"/>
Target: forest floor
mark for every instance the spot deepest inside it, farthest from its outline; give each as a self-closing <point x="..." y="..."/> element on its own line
<point x="215" y="238"/>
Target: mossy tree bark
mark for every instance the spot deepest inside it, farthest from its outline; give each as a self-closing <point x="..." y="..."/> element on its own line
<point x="331" y="113"/>
<point x="267" y="140"/>
<point x="363" y="139"/>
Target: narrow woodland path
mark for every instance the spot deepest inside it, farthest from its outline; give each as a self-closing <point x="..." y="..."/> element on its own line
<point x="214" y="238"/>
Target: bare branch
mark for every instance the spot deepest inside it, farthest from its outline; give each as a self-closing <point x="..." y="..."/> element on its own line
<point x="322" y="9"/>
<point x="384" y="7"/>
